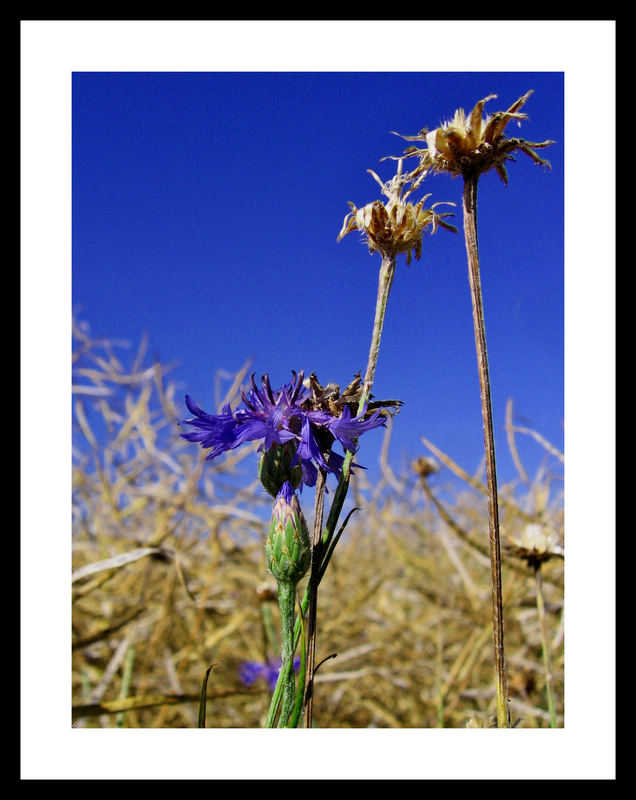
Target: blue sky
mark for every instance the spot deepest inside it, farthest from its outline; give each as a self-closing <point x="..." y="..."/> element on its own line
<point x="206" y="207"/>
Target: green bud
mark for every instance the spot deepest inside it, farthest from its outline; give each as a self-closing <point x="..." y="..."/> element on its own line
<point x="288" y="547"/>
<point x="275" y="467"/>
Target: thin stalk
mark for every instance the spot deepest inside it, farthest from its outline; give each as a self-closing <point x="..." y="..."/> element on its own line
<point x="472" y="252"/>
<point x="538" y="576"/>
<point x="125" y="682"/>
<point x="287" y="601"/>
<point x="439" y="668"/>
<point x="385" y="281"/>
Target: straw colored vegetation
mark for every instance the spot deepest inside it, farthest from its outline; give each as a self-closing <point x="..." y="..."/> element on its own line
<point x="169" y="574"/>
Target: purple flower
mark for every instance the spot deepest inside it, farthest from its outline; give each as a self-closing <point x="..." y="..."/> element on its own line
<point x="251" y="671"/>
<point x="292" y="416"/>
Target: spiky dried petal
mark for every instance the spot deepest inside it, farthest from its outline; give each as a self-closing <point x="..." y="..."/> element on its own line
<point x="474" y="145"/>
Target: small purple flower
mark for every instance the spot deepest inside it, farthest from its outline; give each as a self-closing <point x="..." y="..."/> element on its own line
<point x="251" y="671"/>
<point x="291" y="414"/>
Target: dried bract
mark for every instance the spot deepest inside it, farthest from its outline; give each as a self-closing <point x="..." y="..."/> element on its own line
<point x="330" y="398"/>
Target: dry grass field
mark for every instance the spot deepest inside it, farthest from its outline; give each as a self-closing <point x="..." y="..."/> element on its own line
<point x="169" y="575"/>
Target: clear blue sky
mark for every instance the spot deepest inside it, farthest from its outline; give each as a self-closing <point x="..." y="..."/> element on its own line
<point x="206" y="208"/>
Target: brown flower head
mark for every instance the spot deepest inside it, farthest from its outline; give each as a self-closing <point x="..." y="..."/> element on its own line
<point x="331" y="398"/>
<point x="395" y="226"/>
<point x="473" y="145"/>
<point x="423" y="467"/>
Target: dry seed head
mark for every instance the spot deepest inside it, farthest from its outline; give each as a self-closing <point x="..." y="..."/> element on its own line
<point x="424" y="466"/>
<point x="331" y="398"/>
<point x="472" y="144"/>
<point x="396" y="226"/>
<point x="535" y="544"/>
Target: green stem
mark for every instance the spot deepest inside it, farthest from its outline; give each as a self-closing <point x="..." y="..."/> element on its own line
<point x="544" y="644"/>
<point x="125" y="682"/>
<point x="287" y="602"/>
<point x="472" y="251"/>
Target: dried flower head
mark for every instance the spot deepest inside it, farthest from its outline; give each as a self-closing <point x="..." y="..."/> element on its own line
<point x="396" y="226"/>
<point x="473" y="144"/>
<point x="535" y="544"/>
<point x="424" y="466"/>
<point x="331" y="398"/>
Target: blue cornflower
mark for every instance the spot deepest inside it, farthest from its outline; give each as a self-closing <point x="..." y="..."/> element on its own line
<point x="301" y="420"/>
<point x="251" y="671"/>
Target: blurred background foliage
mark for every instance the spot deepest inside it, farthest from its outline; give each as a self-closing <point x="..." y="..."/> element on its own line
<point x="169" y="573"/>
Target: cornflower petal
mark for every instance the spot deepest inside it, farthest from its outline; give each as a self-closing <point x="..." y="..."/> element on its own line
<point x="335" y="464"/>
<point x="319" y="417"/>
<point x="309" y="472"/>
<point x="198" y="412"/>
<point x="274" y="432"/>
<point x="216" y="431"/>
<point x="250" y="671"/>
<point x="346" y="429"/>
<point x="308" y="449"/>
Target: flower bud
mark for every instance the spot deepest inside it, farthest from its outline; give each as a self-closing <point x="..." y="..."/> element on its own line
<point x="275" y="467"/>
<point x="288" y="547"/>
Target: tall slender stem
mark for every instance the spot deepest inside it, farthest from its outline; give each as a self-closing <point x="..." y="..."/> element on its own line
<point x="385" y="281"/>
<point x="472" y="251"/>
